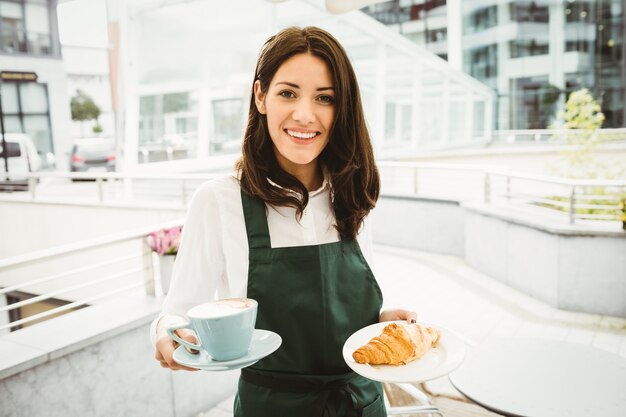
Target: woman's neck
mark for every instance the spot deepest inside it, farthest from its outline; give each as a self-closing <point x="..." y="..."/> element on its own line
<point x="312" y="179"/>
<point x="310" y="175"/>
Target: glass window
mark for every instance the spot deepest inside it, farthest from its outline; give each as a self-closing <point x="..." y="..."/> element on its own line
<point x="228" y="122"/>
<point x="579" y="11"/>
<point x="39" y="43"/>
<point x="11" y="27"/>
<point x="11" y="13"/>
<point x="437" y="35"/>
<point x="10" y="104"/>
<point x="524" y="12"/>
<point x="37" y="19"/>
<point x="34" y="98"/>
<point x="522" y="48"/>
<point x="12" y="124"/>
<point x="38" y="128"/>
<point x="390" y="121"/>
<point x="483" y="62"/>
<point x="30" y="114"/>
<point x="176" y="102"/>
<point x="483" y="19"/>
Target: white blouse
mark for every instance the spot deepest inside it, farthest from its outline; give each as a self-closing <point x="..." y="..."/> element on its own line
<point x="212" y="261"/>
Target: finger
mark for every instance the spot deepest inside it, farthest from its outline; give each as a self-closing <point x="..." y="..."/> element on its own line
<point x="175" y="366"/>
<point x="190" y="337"/>
<point x="411" y="317"/>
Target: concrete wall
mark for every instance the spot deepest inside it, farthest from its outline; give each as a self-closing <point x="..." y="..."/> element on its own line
<point x="577" y="271"/>
<point x="417" y="223"/>
<point x="28" y="227"/>
<point x="568" y="267"/>
<point x="79" y="367"/>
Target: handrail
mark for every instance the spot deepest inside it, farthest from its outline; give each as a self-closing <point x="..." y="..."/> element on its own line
<point x="145" y="267"/>
<point x="574" y="186"/>
<point x="69" y="306"/>
<point x="86" y="244"/>
<point x="64" y="274"/>
<point x="52" y="294"/>
<point x="503" y="172"/>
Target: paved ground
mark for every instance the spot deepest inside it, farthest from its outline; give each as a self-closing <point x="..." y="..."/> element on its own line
<point x="444" y="290"/>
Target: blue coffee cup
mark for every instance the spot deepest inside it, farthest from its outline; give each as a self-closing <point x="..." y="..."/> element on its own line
<point x="224" y="328"/>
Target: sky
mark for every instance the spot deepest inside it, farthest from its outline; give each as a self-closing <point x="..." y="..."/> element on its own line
<point x="83" y="22"/>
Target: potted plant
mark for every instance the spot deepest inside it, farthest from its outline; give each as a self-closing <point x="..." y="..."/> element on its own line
<point x="165" y="243"/>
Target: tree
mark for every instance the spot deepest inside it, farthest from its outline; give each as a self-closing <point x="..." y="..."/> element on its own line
<point x="581" y="112"/>
<point x="584" y="115"/>
<point x="84" y="109"/>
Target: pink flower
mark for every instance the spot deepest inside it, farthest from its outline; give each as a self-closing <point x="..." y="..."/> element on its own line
<point x="165" y="241"/>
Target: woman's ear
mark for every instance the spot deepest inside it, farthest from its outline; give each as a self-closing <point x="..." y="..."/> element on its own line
<point x="259" y="97"/>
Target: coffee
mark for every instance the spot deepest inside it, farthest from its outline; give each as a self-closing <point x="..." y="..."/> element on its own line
<point x="221" y="308"/>
<point x="224" y="327"/>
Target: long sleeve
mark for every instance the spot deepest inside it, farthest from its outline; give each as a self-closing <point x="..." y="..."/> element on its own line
<point x="199" y="267"/>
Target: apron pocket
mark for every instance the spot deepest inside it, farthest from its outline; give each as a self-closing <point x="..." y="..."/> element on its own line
<point x="375" y="409"/>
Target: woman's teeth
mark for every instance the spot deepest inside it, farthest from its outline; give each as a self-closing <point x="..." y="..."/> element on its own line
<point x="301" y="135"/>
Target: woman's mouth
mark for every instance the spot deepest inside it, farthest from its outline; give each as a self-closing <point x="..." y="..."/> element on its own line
<point x="301" y="137"/>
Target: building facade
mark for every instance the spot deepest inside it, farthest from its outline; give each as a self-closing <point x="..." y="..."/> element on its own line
<point x="36" y="104"/>
<point x="532" y="53"/>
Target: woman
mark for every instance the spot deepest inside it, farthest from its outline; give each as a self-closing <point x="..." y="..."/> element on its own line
<point x="285" y="233"/>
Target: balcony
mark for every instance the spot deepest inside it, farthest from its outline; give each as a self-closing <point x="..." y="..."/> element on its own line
<point x="461" y="262"/>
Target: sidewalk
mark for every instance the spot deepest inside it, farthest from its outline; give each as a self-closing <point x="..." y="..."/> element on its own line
<point x="444" y="290"/>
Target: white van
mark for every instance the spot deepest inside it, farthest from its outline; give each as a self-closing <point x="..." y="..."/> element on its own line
<point x="22" y="156"/>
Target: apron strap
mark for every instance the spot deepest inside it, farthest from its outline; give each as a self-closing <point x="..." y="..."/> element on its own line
<point x="256" y="222"/>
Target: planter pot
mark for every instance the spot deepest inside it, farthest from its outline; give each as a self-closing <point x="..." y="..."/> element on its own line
<point x="166" y="265"/>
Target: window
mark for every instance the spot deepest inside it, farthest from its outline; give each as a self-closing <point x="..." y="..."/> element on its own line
<point x="483" y="62"/>
<point x="228" y="122"/>
<point x="437" y="35"/>
<point x="12" y="27"/>
<point x="524" y="12"/>
<point x="25" y="27"/>
<point x="522" y="48"/>
<point x="38" y="29"/>
<point x="579" y="11"/>
<point x="401" y="11"/>
<point x="26" y="110"/>
<point x="483" y="19"/>
<point x="168" y="126"/>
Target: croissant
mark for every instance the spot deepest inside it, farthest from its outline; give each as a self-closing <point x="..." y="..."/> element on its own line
<point x="398" y="344"/>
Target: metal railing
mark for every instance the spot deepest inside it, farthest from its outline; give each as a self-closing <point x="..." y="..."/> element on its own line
<point x="556" y="136"/>
<point x="101" y="187"/>
<point x="588" y="200"/>
<point x="128" y="264"/>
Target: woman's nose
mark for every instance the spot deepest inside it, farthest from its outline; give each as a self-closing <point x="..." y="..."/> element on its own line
<point x="304" y="112"/>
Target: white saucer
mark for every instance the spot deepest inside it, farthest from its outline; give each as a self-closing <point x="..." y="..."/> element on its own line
<point x="437" y="362"/>
<point x="263" y="344"/>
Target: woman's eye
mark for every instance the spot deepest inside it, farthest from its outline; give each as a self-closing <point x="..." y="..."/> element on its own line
<point x="327" y="99"/>
<point x="287" y="94"/>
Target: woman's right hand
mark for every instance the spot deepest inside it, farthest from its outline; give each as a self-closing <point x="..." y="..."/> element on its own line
<point x="165" y="347"/>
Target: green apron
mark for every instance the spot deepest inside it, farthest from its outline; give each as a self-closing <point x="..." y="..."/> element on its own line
<point x="314" y="297"/>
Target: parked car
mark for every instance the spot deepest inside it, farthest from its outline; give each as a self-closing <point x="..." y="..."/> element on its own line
<point x="22" y="157"/>
<point x="93" y="154"/>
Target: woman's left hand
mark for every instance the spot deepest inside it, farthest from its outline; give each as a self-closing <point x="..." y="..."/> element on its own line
<point x="398" y="314"/>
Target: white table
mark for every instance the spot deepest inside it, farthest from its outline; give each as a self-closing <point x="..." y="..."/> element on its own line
<point x="543" y="378"/>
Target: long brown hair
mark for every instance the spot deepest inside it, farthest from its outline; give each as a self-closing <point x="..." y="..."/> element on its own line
<point x="348" y="158"/>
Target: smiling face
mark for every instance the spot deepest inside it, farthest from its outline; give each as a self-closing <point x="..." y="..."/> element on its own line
<point x="300" y="109"/>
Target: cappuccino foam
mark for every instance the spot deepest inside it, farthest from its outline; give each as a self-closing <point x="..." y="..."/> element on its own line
<point x="221" y="308"/>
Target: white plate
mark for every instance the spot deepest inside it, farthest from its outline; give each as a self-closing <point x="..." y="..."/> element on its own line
<point x="437" y="362"/>
<point x="263" y="344"/>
